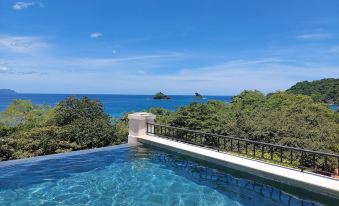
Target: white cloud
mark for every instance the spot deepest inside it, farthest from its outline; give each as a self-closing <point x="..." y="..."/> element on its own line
<point x="23" y="5"/>
<point x="334" y="49"/>
<point x="21" y="44"/>
<point x="5" y="70"/>
<point x="109" y="61"/>
<point x="95" y="35"/>
<point x="314" y="36"/>
<point x="3" y="67"/>
<point x="230" y="77"/>
<point x="160" y="71"/>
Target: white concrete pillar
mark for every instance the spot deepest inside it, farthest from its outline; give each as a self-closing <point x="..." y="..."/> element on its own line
<point x="137" y="125"/>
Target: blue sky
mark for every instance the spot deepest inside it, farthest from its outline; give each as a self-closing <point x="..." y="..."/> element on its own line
<point x="218" y="47"/>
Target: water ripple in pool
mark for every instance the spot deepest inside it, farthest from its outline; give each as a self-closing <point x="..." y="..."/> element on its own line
<point x="132" y="176"/>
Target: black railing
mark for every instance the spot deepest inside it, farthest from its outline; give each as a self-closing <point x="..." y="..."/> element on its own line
<point x="319" y="162"/>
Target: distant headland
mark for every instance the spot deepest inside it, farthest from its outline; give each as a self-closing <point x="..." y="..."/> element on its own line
<point x="324" y="90"/>
<point x="7" y="91"/>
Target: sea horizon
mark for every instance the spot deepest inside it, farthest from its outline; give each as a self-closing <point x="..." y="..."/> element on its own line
<point x="169" y="94"/>
<point x="117" y="105"/>
<point x="114" y="104"/>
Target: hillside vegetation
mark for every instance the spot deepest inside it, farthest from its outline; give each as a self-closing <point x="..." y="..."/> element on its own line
<point x="281" y="118"/>
<point x="325" y="90"/>
<point x="28" y="130"/>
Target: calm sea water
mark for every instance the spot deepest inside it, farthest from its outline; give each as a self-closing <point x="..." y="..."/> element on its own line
<point x="115" y="105"/>
<point x="139" y="175"/>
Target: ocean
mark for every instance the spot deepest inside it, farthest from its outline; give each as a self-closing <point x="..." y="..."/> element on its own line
<point x="114" y="105"/>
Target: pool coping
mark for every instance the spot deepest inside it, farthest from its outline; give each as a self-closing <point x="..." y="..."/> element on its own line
<point x="309" y="181"/>
<point x="61" y="155"/>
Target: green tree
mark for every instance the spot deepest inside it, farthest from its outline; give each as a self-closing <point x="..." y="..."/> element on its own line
<point x="213" y="116"/>
<point x="28" y="130"/>
<point x="287" y="119"/>
<point x="72" y="108"/>
<point x="24" y="114"/>
<point x="279" y="118"/>
<point x="38" y="141"/>
<point x="85" y="123"/>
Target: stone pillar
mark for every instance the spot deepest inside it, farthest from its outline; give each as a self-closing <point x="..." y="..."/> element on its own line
<point x="137" y="125"/>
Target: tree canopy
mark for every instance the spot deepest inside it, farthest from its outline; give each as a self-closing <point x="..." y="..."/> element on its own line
<point x="280" y="118"/>
<point x="30" y="130"/>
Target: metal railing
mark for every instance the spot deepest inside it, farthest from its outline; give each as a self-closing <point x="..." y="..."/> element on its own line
<point x="318" y="162"/>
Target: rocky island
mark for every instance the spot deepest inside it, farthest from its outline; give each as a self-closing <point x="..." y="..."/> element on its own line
<point x="160" y="95"/>
<point x="198" y="96"/>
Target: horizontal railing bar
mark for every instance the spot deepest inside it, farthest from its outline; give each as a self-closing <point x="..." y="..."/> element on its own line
<point x="249" y="141"/>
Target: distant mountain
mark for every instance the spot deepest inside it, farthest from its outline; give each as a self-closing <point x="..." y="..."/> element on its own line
<point x="7" y="91"/>
<point x="324" y="90"/>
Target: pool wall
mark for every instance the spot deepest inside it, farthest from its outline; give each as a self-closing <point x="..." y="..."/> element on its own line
<point x="309" y="181"/>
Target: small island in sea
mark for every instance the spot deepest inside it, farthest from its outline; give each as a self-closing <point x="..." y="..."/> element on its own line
<point x="7" y="91"/>
<point x="198" y="96"/>
<point x="160" y="95"/>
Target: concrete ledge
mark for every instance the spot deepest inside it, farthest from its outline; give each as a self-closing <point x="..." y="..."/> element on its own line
<point x="62" y="155"/>
<point x="312" y="182"/>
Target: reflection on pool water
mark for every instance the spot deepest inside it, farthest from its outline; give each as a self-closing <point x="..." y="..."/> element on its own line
<point x="137" y="175"/>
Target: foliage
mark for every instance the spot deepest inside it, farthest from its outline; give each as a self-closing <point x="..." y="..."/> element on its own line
<point x="38" y="141"/>
<point x="279" y="118"/>
<point x="23" y="113"/>
<point x="71" y="109"/>
<point x="213" y="116"/>
<point x="287" y="119"/>
<point x="162" y="114"/>
<point x="121" y="128"/>
<point x="325" y="90"/>
<point x="85" y="123"/>
<point x="28" y="130"/>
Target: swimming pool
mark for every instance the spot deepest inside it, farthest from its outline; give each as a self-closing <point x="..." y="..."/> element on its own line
<point x="138" y="175"/>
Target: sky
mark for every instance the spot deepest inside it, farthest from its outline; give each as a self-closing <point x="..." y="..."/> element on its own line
<point x="217" y="47"/>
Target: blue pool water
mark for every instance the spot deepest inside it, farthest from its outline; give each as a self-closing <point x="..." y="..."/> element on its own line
<point x="137" y="175"/>
<point x="115" y="105"/>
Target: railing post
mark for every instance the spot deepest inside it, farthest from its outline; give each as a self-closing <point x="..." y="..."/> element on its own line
<point x="137" y="125"/>
<point x="302" y="161"/>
